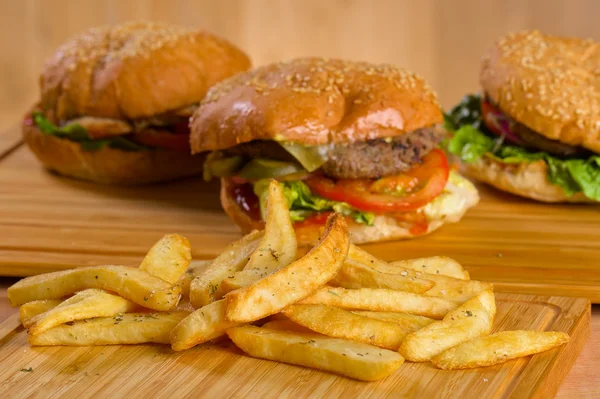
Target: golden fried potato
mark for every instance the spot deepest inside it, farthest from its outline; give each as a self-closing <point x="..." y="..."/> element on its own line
<point x="277" y="249"/>
<point x="498" y="348"/>
<point x="34" y="308"/>
<point x="287" y="325"/>
<point x="204" y="288"/>
<point x="382" y="300"/>
<point x="136" y="285"/>
<point x="202" y="325"/>
<point x="295" y="281"/>
<point x="471" y="320"/>
<point x="169" y="258"/>
<point x="85" y="304"/>
<point x="437" y="265"/>
<point x="339" y="323"/>
<point x="127" y="328"/>
<point x="351" y="359"/>
<point x="410" y="322"/>
<point x="355" y="275"/>
<point x="196" y="268"/>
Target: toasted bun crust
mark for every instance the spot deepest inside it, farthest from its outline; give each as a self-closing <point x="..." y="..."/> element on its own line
<point x="313" y="101"/>
<point x="548" y="83"/>
<point x="135" y="70"/>
<point x="109" y="166"/>
<point x="385" y="228"/>
<point x="525" y="179"/>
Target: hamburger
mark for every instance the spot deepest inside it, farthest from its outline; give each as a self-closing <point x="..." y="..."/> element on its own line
<point x="115" y="101"/>
<point x="535" y="129"/>
<point x="349" y="137"/>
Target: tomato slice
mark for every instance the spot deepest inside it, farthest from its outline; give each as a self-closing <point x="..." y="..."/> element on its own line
<point x="497" y="122"/>
<point x="404" y="192"/>
<point x="163" y="139"/>
<point x="317" y="219"/>
<point x="246" y="199"/>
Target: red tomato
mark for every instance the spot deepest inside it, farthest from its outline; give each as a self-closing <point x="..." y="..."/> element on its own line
<point x="318" y="218"/>
<point x="404" y="192"/>
<point x="246" y="199"/>
<point x="164" y="140"/>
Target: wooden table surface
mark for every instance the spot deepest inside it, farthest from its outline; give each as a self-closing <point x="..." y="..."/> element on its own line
<point x="582" y="382"/>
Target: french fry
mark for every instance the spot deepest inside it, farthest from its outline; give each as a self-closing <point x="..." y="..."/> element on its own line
<point x="469" y="321"/>
<point x="85" y="304"/>
<point x="295" y="281"/>
<point x="136" y="285"/>
<point x="169" y="258"/>
<point x="382" y="300"/>
<point x="410" y="322"/>
<point x="355" y="275"/>
<point x="498" y="348"/>
<point x="287" y="325"/>
<point x="339" y="323"/>
<point x="196" y="268"/>
<point x="34" y="308"/>
<point x="127" y="328"/>
<point x="200" y="326"/>
<point x="277" y="249"/>
<point x="437" y="265"/>
<point x="351" y="359"/>
<point x="203" y="288"/>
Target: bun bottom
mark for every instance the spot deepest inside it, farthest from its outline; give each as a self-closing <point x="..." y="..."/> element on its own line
<point x="385" y="228"/>
<point x="108" y="165"/>
<point x="527" y="180"/>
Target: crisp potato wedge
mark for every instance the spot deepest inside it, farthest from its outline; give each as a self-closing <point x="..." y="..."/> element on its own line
<point x="498" y="348"/>
<point x="277" y="249"/>
<point x="204" y="288"/>
<point x="85" y="304"/>
<point x="351" y="359"/>
<point x="471" y="320"/>
<point x="438" y="265"/>
<point x="34" y="308"/>
<point x="339" y="323"/>
<point x="195" y="269"/>
<point x="449" y="288"/>
<point x="410" y="322"/>
<point x="169" y="258"/>
<point x="382" y="300"/>
<point x="136" y="285"/>
<point x="127" y="328"/>
<point x="355" y="275"/>
<point x="202" y="325"/>
<point x="287" y="325"/>
<point x="295" y="281"/>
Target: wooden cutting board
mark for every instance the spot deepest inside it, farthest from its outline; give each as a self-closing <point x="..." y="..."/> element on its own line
<point x="222" y="371"/>
<point x="51" y="223"/>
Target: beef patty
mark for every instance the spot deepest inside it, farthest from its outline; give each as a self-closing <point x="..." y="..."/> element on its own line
<point x="360" y="160"/>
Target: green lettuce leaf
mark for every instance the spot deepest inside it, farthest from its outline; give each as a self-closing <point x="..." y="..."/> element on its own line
<point x="303" y="203"/>
<point x="77" y="133"/>
<point x="470" y="142"/>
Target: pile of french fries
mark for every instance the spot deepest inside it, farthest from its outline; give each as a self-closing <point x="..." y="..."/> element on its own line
<point x="336" y="308"/>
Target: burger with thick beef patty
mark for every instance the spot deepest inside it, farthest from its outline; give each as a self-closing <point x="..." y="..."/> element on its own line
<point x="535" y="131"/>
<point x="116" y="101"/>
<point x="348" y="137"/>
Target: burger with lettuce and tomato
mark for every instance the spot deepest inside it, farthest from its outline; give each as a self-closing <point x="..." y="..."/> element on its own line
<point x="349" y="137"/>
<point x="535" y="129"/>
<point x="115" y="101"/>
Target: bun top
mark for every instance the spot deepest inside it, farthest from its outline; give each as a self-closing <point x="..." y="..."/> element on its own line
<point x="550" y="84"/>
<point x="313" y="101"/>
<point x="135" y="70"/>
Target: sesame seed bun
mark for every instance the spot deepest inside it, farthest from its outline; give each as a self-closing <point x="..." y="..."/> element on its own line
<point x="107" y="165"/>
<point x="385" y="228"/>
<point x="526" y="179"/>
<point x="313" y="101"/>
<point x="135" y="70"/>
<point x="550" y="84"/>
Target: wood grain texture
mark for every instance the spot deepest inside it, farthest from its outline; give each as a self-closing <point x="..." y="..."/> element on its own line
<point x="221" y="370"/>
<point x="442" y="40"/>
<point x="51" y="223"/>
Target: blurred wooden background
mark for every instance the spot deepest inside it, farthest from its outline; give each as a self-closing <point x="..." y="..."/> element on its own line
<point x="441" y="39"/>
